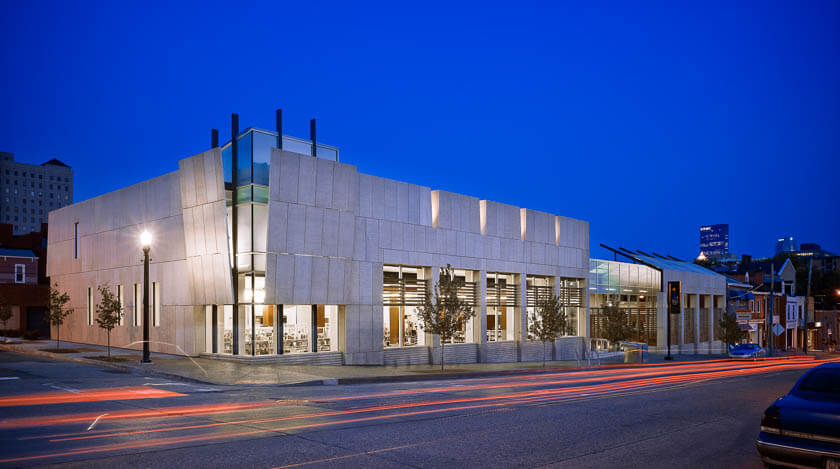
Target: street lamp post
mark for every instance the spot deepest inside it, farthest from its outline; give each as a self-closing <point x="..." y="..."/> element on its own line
<point x="146" y="242"/>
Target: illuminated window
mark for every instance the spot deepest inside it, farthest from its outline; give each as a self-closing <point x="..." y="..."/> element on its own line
<point x="20" y="273"/>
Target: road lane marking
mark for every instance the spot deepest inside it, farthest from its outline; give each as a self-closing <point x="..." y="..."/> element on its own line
<point x="6" y="378"/>
<point x="62" y="388"/>
<point x="95" y="422"/>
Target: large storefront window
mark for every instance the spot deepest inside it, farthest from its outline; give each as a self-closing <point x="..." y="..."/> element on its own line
<point x="570" y="294"/>
<point x="299" y="333"/>
<point x="538" y="289"/>
<point x="468" y="293"/>
<point x="502" y="299"/>
<point x="404" y="290"/>
<point x="297" y="328"/>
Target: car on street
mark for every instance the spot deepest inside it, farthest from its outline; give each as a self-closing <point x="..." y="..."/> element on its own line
<point x="802" y="428"/>
<point x="746" y="351"/>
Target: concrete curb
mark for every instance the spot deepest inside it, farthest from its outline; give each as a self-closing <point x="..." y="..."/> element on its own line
<point x="117" y="366"/>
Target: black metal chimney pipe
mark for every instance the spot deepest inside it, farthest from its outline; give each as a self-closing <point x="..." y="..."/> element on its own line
<point x="278" y="122"/>
<point x="312" y="136"/>
<point x="234" y="132"/>
<point x="214" y="138"/>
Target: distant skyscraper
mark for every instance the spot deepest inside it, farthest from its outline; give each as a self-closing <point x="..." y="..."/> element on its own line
<point x="714" y="240"/>
<point x="30" y="191"/>
<point x="786" y="244"/>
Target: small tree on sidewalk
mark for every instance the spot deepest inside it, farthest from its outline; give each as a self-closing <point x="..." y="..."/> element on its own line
<point x="5" y="311"/>
<point x="548" y="321"/>
<point x="108" y="312"/>
<point x="729" y="329"/>
<point x="615" y="326"/>
<point x="445" y="313"/>
<point x="57" y="311"/>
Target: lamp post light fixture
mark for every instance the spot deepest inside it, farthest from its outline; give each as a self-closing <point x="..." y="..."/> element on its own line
<point x="146" y="243"/>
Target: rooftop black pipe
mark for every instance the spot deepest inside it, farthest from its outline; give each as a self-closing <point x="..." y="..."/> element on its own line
<point x="214" y="138"/>
<point x="312" y="136"/>
<point x="278" y="124"/>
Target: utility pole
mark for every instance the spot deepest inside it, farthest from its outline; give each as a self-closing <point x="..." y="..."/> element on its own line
<point x="807" y="301"/>
<point x="770" y="309"/>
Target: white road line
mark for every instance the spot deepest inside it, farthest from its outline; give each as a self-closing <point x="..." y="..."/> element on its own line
<point x="206" y="390"/>
<point x="62" y="388"/>
<point x="7" y="378"/>
<point x="95" y="422"/>
<point x="168" y="384"/>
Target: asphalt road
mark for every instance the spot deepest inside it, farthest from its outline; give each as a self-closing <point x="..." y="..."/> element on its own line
<point x="686" y="415"/>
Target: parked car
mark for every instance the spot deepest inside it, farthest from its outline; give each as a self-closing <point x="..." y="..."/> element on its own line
<point x="802" y="428"/>
<point x="747" y="351"/>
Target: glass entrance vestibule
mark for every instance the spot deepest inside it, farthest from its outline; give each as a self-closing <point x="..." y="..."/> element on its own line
<point x="303" y="329"/>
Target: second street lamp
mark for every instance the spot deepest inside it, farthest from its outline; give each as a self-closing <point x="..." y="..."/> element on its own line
<point x="146" y="243"/>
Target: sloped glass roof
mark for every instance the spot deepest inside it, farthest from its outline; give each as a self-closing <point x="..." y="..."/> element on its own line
<point x="676" y="265"/>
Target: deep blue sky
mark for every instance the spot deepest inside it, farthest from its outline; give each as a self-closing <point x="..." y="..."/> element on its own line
<point x="646" y="119"/>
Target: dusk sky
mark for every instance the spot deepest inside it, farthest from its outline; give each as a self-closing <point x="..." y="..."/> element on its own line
<point x="647" y="120"/>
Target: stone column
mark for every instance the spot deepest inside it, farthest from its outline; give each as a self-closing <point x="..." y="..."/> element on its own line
<point x="521" y="332"/>
<point x="481" y="317"/>
<point x="662" y="322"/>
<point x="711" y="325"/>
<point x="433" y="340"/>
<point x="697" y="325"/>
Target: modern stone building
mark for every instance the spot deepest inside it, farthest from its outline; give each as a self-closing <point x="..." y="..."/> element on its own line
<point x="277" y="254"/>
<point x="638" y="287"/>
<point x="30" y="191"/>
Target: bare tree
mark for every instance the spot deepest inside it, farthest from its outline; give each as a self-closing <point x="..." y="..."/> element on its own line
<point x="445" y="313"/>
<point x="548" y="321"/>
<point x="57" y="311"/>
<point x="108" y="312"/>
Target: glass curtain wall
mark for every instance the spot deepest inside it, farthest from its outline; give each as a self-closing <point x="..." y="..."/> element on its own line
<point x="630" y="287"/>
<point x="502" y="299"/>
<point x="403" y="292"/>
<point x="247" y="191"/>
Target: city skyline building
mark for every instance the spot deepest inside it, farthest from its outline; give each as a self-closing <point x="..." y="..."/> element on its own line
<point x="714" y="240"/>
<point x="30" y="191"/>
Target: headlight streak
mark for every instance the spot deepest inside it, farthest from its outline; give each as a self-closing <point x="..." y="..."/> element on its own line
<point x="636" y="383"/>
<point x="94" y="395"/>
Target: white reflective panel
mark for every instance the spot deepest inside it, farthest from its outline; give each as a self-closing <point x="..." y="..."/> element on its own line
<point x="260" y="227"/>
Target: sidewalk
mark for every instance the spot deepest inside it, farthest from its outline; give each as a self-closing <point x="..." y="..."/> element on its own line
<point x="222" y="372"/>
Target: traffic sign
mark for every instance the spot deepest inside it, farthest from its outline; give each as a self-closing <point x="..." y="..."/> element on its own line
<point x="778" y="329"/>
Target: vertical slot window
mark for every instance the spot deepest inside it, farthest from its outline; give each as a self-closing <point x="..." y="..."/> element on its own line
<point x="90" y="306"/>
<point x="156" y="304"/>
<point x="138" y="304"/>
<point x="76" y="240"/>
<point x="122" y="304"/>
